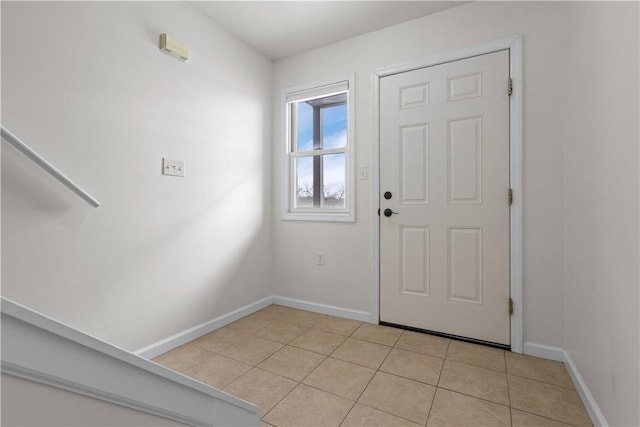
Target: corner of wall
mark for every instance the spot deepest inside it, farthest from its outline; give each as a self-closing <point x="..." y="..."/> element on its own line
<point x="601" y="195"/>
<point x="561" y="355"/>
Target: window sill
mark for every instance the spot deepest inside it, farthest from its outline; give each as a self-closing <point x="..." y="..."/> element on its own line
<point x="319" y="216"/>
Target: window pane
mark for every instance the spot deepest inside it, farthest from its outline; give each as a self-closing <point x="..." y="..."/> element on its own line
<point x="304" y="182"/>
<point x="333" y="173"/>
<point x="305" y="126"/>
<point x="334" y="126"/>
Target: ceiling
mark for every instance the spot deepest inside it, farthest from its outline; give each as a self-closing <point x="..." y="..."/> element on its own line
<point x="282" y="28"/>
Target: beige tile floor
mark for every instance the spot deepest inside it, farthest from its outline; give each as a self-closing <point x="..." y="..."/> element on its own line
<point x="309" y="369"/>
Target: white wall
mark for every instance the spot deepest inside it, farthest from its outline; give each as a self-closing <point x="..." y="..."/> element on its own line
<point x="346" y="278"/>
<point x="85" y="85"/>
<point x="581" y="180"/>
<point x="28" y="403"/>
<point x="601" y="204"/>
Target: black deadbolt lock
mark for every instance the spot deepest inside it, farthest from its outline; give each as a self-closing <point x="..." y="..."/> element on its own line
<point x="388" y="195"/>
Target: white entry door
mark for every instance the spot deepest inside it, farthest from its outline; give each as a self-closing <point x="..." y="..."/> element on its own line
<point x="444" y="175"/>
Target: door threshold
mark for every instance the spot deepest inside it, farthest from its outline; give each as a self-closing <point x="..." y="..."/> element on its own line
<point x="450" y="336"/>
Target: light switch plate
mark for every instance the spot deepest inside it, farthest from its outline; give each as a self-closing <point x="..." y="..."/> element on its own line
<point x="172" y="167"/>
<point x="363" y="173"/>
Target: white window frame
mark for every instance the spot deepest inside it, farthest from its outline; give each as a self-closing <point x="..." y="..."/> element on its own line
<point x="310" y="91"/>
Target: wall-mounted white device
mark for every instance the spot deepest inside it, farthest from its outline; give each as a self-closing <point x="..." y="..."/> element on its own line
<point x="173" y="47"/>
<point x="172" y="167"/>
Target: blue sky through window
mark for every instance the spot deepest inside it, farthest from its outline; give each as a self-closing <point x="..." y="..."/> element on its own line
<point x="334" y="126"/>
<point x="305" y="126"/>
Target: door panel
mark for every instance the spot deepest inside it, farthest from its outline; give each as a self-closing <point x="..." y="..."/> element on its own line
<point x="465" y="264"/>
<point x="415" y="261"/>
<point x="414" y="167"/>
<point x="465" y="160"/>
<point x="444" y="150"/>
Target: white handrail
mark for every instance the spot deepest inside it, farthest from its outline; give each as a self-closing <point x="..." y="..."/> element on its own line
<point x="44" y="164"/>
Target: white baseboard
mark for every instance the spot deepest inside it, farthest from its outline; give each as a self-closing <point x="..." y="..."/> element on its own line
<point x="561" y="355"/>
<point x="362" y="316"/>
<point x="544" y="351"/>
<point x="597" y="417"/>
<point x="176" y="340"/>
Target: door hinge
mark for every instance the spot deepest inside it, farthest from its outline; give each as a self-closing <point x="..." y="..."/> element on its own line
<point x="510" y="197"/>
<point x="510" y="307"/>
<point x="510" y="86"/>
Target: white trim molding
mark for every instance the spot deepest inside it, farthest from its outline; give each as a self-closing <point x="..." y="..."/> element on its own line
<point x="40" y="349"/>
<point x="331" y="310"/>
<point x="544" y="351"/>
<point x="514" y="45"/>
<point x="176" y="340"/>
<point x="314" y="89"/>
<point x="561" y="355"/>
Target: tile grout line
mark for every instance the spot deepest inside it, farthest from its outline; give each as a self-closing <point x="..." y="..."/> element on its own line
<point x="528" y="412"/>
<point x="388" y="373"/>
<point x="506" y="368"/>
<point x="407" y="378"/>
<point x="357" y="401"/>
<point x="543" y="382"/>
<point x="356" y="363"/>
<point x="273" y="317"/>
<point x="278" y="402"/>
<point x="255" y="366"/>
<point x="387" y="412"/>
<point x="418" y="352"/>
<point x="479" y="367"/>
<point x="279" y="342"/>
<point x="359" y="396"/>
<point x="506" y="374"/>
<point x="475" y="397"/>
<point x="323" y="360"/>
<point x="470" y="395"/>
<point x="188" y="366"/>
<point x="436" y="387"/>
<point x="368" y="382"/>
<point x="545" y="417"/>
<point x="395" y="415"/>
<point x="298" y="382"/>
<point x="444" y="360"/>
<point x="402" y="376"/>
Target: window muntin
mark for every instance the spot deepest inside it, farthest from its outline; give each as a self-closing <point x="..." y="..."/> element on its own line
<point x="318" y="129"/>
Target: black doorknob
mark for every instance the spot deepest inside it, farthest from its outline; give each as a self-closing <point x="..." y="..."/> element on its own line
<point x="388" y="212"/>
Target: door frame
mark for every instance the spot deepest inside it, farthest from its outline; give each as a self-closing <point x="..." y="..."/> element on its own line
<point x="514" y="45"/>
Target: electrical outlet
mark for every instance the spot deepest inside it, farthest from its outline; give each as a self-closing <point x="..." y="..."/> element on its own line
<point x="319" y="258"/>
<point x="172" y="167"/>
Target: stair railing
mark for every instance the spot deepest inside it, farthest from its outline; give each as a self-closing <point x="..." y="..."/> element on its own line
<point x="48" y="167"/>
